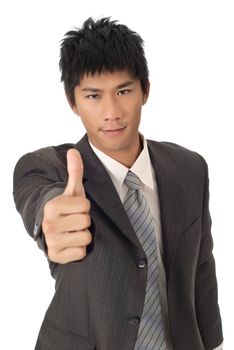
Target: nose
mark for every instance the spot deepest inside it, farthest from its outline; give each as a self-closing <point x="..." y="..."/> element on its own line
<point x="111" y="109"/>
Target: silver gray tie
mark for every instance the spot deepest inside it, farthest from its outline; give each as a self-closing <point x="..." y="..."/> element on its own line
<point x="150" y="333"/>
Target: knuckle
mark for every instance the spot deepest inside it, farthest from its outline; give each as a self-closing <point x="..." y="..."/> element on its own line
<point x="52" y="242"/>
<point x="58" y="257"/>
<point x="52" y="206"/>
<point x="81" y="252"/>
<point x="87" y="221"/>
<point x="87" y="205"/>
<point x="52" y="254"/>
<point x="88" y="238"/>
<point x="48" y="242"/>
<point x="47" y="226"/>
<point x="48" y="208"/>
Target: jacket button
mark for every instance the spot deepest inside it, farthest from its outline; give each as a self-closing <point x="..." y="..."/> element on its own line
<point x="141" y="263"/>
<point x="134" y="321"/>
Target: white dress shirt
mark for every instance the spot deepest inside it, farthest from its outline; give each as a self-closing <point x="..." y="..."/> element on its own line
<point x="144" y="170"/>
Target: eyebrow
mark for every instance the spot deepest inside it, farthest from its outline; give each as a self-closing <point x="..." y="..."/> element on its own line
<point x="93" y="89"/>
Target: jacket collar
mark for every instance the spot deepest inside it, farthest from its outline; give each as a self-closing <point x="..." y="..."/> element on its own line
<point x="98" y="186"/>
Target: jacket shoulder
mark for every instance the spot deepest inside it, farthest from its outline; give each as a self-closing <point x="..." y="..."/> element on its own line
<point x="189" y="163"/>
<point x="48" y="153"/>
<point x="176" y="151"/>
<point x="47" y="161"/>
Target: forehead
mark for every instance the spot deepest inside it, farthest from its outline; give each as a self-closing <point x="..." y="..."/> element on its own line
<point x="107" y="79"/>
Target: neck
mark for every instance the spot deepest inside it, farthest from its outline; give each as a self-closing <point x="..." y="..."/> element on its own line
<point x="128" y="158"/>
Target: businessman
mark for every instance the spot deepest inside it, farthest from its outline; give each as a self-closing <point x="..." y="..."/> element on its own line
<point x="123" y="221"/>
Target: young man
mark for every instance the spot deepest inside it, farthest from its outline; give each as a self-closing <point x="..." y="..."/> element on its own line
<point x="123" y="221"/>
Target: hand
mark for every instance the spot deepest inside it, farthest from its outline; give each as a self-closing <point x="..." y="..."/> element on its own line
<point x="66" y="217"/>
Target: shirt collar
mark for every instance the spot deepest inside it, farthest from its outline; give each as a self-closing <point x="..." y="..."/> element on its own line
<point x="118" y="171"/>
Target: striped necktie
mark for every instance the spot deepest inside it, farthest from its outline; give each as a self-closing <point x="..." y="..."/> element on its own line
<point x="150" y="333"/>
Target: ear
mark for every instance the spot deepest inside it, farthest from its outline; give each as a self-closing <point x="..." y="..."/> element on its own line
<point x="146" y="94"/>
<point x="74" y="106"/>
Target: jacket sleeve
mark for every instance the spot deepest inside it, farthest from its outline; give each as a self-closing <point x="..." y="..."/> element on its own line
<point x="35" y="181"/>
<point x="206" y="293"/>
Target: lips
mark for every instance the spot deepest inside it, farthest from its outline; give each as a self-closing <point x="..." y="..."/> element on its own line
<point x="113" y="132"/>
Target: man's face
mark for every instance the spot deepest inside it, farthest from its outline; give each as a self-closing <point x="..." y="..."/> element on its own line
<point x="109" y="105"/>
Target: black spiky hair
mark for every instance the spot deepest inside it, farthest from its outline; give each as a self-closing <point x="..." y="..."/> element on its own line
<point x="101" y="46"/>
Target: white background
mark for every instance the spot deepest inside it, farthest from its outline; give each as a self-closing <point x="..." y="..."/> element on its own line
<point x="190" y="51"/>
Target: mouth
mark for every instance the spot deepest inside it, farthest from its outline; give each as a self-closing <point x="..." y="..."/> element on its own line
<point x="113" y="132"/>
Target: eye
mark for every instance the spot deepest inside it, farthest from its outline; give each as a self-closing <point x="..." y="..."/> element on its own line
<point x="124" y="92"/>
<point x="93" y="96"/>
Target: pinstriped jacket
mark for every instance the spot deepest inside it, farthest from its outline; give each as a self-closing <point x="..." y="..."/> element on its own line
<point x="98" y="301"/>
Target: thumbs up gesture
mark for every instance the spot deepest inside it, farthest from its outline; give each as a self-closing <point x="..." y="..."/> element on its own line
<point x="66" y="217"/>
<point x="75" y="171"/>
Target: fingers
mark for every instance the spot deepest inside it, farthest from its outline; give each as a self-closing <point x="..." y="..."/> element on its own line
<point x="67" y="247"/>
<point x="66" y="217"/>
<point x="75" y="171"/>
<point x="67" y="223"/>
<point x="60" y="241"/>
<point x="63" y="205"/>
<point x="68" y="255"/>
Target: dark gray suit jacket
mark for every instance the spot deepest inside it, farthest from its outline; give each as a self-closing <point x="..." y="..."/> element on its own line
<point x="98" y="301"/>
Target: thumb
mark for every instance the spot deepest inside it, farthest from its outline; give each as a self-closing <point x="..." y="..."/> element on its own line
<point x="75" y="170"/>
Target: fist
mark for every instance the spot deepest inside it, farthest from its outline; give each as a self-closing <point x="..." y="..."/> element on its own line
<point x="66" y="218"/>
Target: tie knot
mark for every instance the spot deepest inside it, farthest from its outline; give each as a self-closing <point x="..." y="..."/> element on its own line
<point x="132" y="181"/>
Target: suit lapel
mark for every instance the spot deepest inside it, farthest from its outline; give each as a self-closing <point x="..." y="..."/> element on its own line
<point x="171" y="190"/>
<point x="98" y="186"/>
<point x="171" y="193"/>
